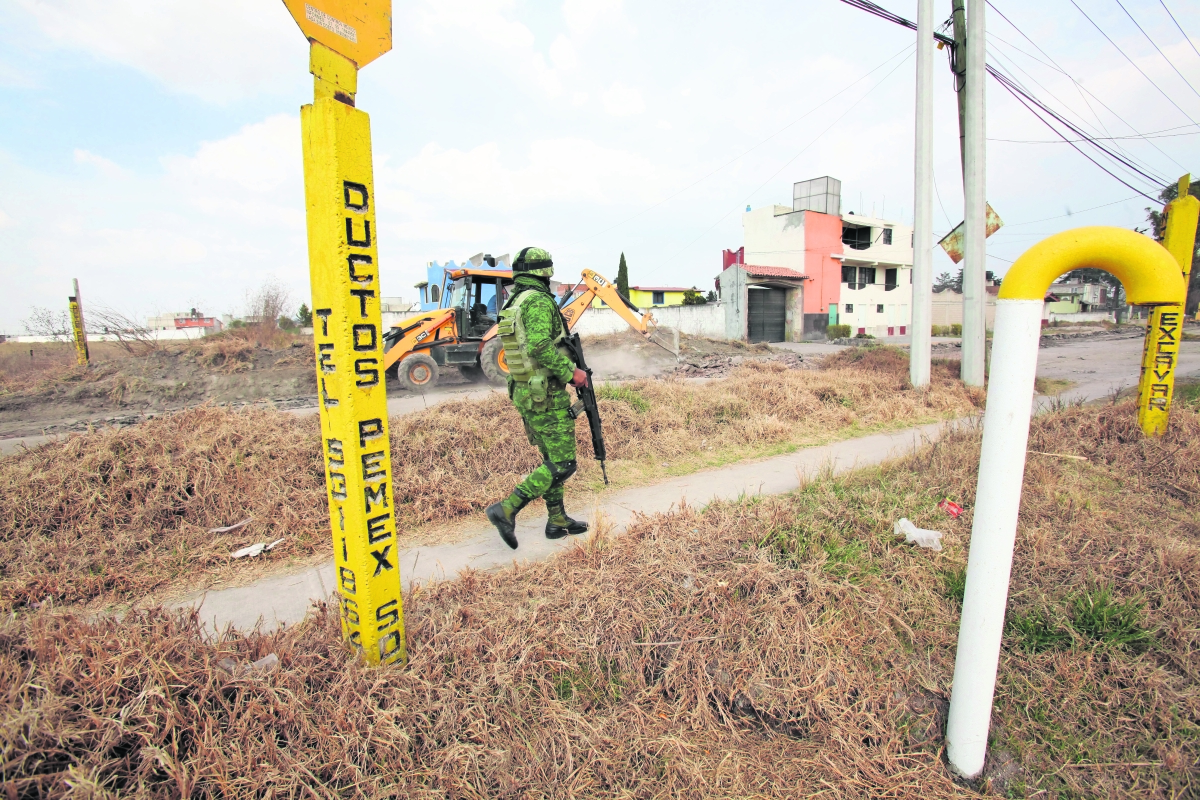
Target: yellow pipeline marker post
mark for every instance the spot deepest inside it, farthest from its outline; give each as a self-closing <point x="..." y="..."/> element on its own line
<point x="343" y="257"/>
<point x="1165" y="328"/>
<point x="81" y="347"/>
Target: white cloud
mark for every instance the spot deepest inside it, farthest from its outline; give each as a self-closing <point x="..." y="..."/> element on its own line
<point x="579" y="99"/>
<point x="623" y="101"/>
<point x="5" y="220"/>
<point x="584" y="15"/>
<point x="245" y="174"/>
<point x="562" y="53"/>
<point x="107" y="168"/>
<point x="215" y="49"/>
<point x="555" y="170"/>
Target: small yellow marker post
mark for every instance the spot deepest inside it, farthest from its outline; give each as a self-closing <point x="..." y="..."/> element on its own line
<point x="1164" y="331"/>
<point x="343" y="257"/>
<point x="81" y="347"/>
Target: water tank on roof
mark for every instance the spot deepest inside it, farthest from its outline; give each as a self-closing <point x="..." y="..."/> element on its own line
<point x="819" y="194"/>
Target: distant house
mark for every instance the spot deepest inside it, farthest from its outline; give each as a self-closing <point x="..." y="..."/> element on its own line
<point x="185" y="320"/>
<point x="649" y="296"/>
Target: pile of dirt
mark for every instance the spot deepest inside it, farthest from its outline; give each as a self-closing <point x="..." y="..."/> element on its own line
<point x="720" y="366"/>
<point x="117" y="514"/>
<point x="122" y="390"/>
<point x="760" y="648"/>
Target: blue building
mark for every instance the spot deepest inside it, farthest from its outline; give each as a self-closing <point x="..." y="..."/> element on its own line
<point x="430" y="289"/>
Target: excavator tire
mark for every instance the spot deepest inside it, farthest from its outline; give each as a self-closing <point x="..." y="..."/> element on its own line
<point x="491" y="361"/>
<point x="418" y="373"/>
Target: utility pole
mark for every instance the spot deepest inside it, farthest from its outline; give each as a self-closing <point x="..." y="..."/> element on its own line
<point x="922" y="274"/>
<point x="974" y="336"/>
<point x="958" y="66"/>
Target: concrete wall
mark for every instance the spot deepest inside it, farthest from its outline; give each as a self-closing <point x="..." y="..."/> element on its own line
<point x="947" y="309"/>
<point x="774" y="237"/>
<point x="1083" y="316"/>
<point x="734" y="301"/>
<point x="707" y="320"/>
<point x="160" y="336"/>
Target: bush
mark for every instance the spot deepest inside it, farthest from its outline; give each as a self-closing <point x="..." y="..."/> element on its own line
<point x="838" y="331"/>
<point x="863" y="336"/>
<point x="939" y="330"/>
<point x="956" y="330"/>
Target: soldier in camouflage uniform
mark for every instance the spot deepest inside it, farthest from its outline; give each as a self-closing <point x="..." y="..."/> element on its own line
<point x="532" y="330"/>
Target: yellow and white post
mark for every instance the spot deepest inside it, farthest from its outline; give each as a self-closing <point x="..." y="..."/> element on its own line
<point x="1156" y="387"/>
<point x="1150" y="277"/>
<point x="82" y="356"/>
<point x="344" y="265"/>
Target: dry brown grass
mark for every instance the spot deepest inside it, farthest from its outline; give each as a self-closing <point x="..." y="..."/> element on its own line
<point x="50" y="362"/>
<point x="782" y="647"/>
<point x="119" y="513"/>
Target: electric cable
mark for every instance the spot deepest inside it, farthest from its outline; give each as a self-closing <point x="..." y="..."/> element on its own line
<point x="1132" y="62"/>
<point x="1126" y="156"/>
<point x="808" y="113"/>
<point x="1154" y="135"/>
<point x="1186" y="38"/>
<point x="1073" y="213"/>
<point x="1120" y="156"/>
<point x="1035" y="105"/>
<point x="1156" y="47"/>
<point x="1079" y="86"/>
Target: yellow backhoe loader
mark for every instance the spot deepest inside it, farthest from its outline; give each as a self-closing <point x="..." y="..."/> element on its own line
<point x="462" y="332"/>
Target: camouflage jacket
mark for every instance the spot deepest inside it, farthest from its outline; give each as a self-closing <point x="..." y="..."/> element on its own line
<point x="543" y="323"/>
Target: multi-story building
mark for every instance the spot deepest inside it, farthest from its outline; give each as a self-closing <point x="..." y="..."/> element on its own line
<point x="808" y="266"/>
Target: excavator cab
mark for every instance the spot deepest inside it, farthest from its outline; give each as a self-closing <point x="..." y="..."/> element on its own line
<point x="476" y="299"/>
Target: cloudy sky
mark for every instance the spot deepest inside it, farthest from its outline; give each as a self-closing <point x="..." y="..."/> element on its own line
<point x="152" y="149"/>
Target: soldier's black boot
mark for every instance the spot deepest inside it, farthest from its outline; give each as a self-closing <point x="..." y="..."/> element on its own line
<point x="504" y="516"/>
<point x="558" y="524"/>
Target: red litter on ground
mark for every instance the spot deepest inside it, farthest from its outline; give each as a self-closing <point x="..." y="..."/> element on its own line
<point x="950" y="507"/>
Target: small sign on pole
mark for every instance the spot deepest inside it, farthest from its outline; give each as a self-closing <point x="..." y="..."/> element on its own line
<point x="339" y="191"/>
<point x="82" y="356"/>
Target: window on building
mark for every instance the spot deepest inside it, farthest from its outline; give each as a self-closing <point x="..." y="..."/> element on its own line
<point x="887" y="235"/>
<point x="849" y="308"/>
<point x="856" y="237"/>
<point x="879" y="308"/>
<point x="658" y="298"/>
<point x="866" y="275"/>
<point x="849" y="274"/>
<point x="890" y="276"/>
<point x="435" y="293"/>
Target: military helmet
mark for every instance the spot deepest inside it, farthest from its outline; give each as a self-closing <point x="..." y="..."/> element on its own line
<point x="533" y="261"/>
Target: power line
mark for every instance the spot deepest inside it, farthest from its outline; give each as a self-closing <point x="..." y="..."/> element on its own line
<point x="1037" y="107"/>
<point x="695" y="183"/>
<point x="1186" y="38"/>
<point x="1097" y="138"/>
<point x="1132" y="62"/>
<point x="1126" y="158"/>
<point x="1025" y="100"/>
<point x="1079" y="86"/>
<point x="1156" y="47"/>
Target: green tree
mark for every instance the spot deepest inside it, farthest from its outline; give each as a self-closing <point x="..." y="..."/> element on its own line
<point x="944" y="281"/>
<point x="1158" y="225"/>
<point x="711" y="296"/>
<point x="304" y="316"/>
<point x="692" y="297"/>
<point x="623" y="278"/>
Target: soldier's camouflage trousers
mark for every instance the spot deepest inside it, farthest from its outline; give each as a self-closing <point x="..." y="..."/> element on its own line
<point x="553" y="433"/>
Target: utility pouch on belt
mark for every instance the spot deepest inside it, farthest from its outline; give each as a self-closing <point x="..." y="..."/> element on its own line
<point x="537" y="390"/>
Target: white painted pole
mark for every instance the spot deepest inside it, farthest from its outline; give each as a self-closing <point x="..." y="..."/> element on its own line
<point x="922" y="274"/>
<point x="997" y="501"/>
<point x="974" y="336"/>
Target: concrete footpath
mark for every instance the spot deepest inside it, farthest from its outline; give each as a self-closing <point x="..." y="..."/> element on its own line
<point x="285" y="599"/>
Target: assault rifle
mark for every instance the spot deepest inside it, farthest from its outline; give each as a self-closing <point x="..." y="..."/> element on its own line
<point x="587" y="403"/>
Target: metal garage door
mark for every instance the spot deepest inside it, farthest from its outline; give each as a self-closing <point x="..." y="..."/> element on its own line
<point x="768" y="314"/>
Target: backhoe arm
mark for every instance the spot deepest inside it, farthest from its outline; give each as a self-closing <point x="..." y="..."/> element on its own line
<point x="598" y="286"/>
